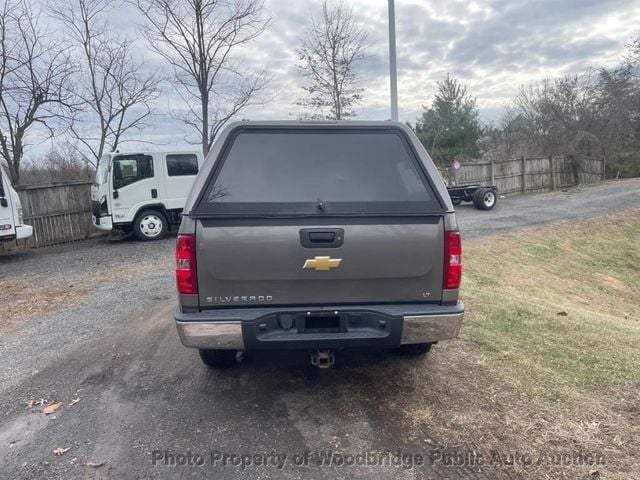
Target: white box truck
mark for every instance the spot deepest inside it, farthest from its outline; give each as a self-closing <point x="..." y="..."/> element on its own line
<point x="11" y="226"/>
<point x="142" y="192"/>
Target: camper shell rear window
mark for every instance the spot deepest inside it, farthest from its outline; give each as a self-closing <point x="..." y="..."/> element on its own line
<point x="321" y="171"/>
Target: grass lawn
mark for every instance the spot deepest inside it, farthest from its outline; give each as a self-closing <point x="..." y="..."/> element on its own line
<point x="548" y="359"/>
<point x="557" y="310"/>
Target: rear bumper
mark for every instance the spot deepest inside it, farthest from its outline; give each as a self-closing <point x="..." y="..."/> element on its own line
<point x="384" y="326"/>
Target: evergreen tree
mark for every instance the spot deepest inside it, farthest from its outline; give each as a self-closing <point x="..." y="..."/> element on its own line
<point x="450" y="127"/>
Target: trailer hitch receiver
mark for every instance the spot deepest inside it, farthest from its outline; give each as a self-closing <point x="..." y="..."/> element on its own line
<point x="322" y="358"/>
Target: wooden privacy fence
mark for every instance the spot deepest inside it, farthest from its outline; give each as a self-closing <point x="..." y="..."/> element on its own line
<point x="523" y="175"/>
<point x="59" y="213"/>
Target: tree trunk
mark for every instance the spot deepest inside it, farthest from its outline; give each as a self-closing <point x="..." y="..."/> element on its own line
<point x="14" y="165"/>
<point x="335" y="85"/>
<point x="575" y="169"/>
<point x="205" y="122"/>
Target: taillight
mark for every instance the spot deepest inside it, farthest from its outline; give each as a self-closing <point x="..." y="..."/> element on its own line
<point x="186" y="277"/>
<point x="452" y="260"/>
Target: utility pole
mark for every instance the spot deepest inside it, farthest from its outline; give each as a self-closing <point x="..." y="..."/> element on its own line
<point x="393" y="74"/>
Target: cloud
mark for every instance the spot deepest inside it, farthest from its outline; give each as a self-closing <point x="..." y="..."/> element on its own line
<point x="493" y="46"/>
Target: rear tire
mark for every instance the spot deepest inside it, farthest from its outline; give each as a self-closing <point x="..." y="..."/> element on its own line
<point x="477" y="195"/>
<point x="414" y="349"/>
<point x="219" y="358"/>
<point x="150" y="225"/>
<point x="484" y="199"/>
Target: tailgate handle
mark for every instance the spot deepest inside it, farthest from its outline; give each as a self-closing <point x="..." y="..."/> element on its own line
<point x="321" y="237"/>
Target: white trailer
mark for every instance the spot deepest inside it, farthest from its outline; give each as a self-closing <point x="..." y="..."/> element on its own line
<point x="142" y="192"/>
<point x="11" y="225"/>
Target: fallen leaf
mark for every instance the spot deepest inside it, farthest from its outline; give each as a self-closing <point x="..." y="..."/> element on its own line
<point x="58" y="452"/>
<point x="594" y="473"/>
<point x="73" y="402"/>
<point x="32" y="403"/>
<point x="49" y="409"/>
<point x="562" y="314"/>
<point x="95" y="465"/>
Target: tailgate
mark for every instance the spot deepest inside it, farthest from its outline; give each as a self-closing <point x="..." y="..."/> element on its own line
<point x="376" y="263"/>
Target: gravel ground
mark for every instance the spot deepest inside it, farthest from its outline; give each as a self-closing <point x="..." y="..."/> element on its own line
<point x="518" y="212"/>
<point x="115" y="348"/>
<point x="138" y="276"/>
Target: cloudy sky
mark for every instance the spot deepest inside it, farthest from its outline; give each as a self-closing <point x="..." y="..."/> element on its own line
<point x="493" y="46"/>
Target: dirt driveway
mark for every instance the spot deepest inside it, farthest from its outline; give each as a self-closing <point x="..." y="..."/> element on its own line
<point x="89" y="325"/>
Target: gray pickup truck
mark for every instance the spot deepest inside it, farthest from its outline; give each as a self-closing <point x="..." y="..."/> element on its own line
<point x="317" y="236"/>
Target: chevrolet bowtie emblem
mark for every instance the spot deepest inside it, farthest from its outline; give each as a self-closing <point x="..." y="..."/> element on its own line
<point x="322" y="264"/>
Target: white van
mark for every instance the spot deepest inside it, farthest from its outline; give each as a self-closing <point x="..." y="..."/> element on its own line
<point x="142" y="192"/>
<point x="11" y="226"/>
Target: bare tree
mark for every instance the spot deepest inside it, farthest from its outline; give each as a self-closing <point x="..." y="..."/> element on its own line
<point x="557" y="115"/>
<point x="63" y="162"/>
<point x="617" y="106"/>
<point x="198" y="39"/>
<point x="328" y="52"/>
<point x="116" y="91"/>
<point x="593" y="114"/>
<point x="632" y="59"/>
<point x="35" y="76"/>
